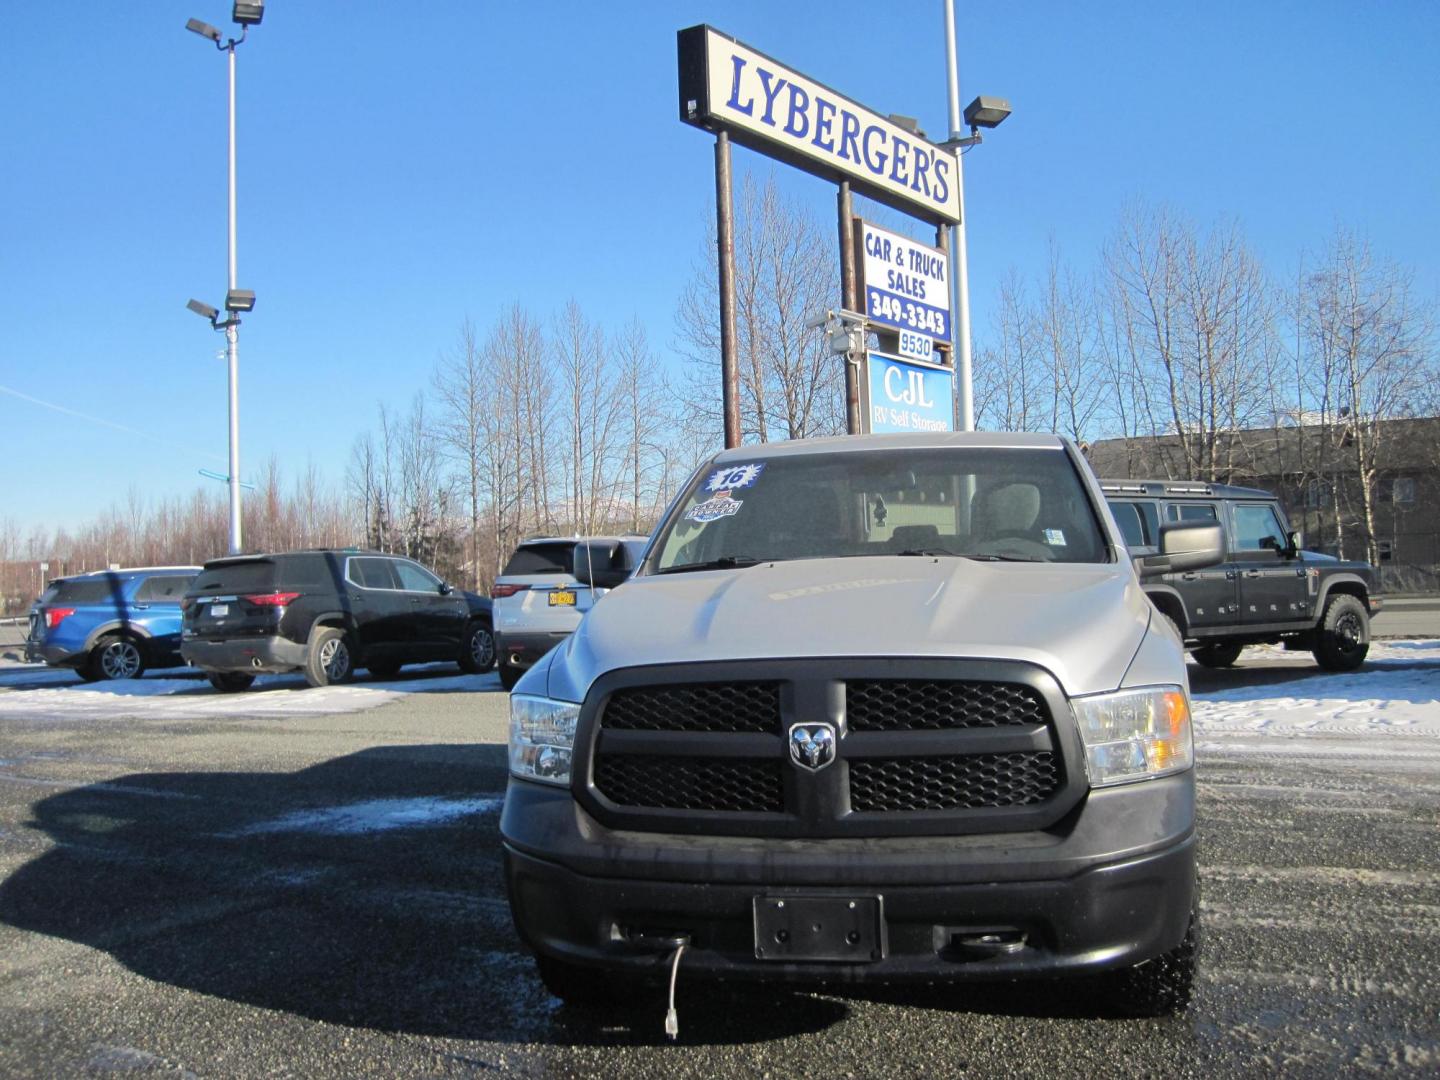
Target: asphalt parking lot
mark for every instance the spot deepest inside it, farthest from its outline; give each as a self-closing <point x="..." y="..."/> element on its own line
<point x="281" y="892"/>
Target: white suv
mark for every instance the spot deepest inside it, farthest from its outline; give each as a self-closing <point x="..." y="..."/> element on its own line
<point x="538" y="602"/>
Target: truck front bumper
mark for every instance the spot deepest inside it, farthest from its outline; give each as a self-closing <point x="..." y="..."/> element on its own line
<point x="1114" y="885"/>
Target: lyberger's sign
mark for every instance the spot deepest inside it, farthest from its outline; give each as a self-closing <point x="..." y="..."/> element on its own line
<point x="776" y="111"/>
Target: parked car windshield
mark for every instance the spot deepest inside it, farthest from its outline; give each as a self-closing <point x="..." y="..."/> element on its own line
<point x="1003" y="504"/>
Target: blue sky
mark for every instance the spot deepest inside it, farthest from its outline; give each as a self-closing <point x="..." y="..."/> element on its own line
<point x="403" y="166"/>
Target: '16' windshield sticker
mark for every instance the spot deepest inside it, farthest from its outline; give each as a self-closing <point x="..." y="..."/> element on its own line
<point x="721" y="506"/>
<point x="734" y="476"/>
<point x="1055" y="537"/>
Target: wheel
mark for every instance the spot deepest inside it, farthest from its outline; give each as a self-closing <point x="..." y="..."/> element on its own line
<point x="383" y="669"/>
<point x="1220" y="655"/>
<point x="115" y="657"/>
<point x="328" y="660"/>
<point x="576" y="985"/>
<point x="510" y="675"/>
<point x="1343" y="637"/>
<point x="477" y="654"/>
<point x="1160" y="986"/>
<point x="230" y="682"/>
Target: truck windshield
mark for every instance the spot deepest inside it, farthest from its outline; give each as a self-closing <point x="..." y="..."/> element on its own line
<point x="1009" y="504"/>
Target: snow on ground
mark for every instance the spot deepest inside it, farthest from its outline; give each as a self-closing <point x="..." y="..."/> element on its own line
<point x="1396" y="692"/>
<point x="38" y="692"/>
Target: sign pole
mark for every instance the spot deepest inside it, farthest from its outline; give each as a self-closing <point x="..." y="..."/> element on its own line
<point x="960" y="269"/>
<point x="725" y="237"/>
<point x="849" y="295"/>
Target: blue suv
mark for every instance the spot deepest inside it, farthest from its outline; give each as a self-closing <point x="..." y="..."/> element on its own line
<point x="111" y="624"/>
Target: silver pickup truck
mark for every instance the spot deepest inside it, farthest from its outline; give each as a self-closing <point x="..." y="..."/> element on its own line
<point x="888" y="708"/>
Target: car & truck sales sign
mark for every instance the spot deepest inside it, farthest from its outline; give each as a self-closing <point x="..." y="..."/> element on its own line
<point x="905" y="285"/>
<point x="777" y="111"/>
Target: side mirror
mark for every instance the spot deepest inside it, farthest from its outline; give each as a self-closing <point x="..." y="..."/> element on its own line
<point x="1183" y="546"/>
<point x="446" y="588"/>
<point x="601" y="564"/>
<point x="1296" y="542"/>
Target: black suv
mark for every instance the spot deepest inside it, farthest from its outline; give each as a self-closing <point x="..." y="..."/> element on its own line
<point x="327" y="613"/>
<point x="1267" y="590"/>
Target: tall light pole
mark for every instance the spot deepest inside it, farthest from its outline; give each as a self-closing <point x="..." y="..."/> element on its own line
<point x="982" y="112"/>
<point x="245" y="13"/>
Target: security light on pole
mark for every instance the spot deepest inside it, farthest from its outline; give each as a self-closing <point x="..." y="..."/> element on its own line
<point x="245" y="13"/>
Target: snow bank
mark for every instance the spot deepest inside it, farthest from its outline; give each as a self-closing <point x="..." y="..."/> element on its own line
<point x="1396" y="692"/>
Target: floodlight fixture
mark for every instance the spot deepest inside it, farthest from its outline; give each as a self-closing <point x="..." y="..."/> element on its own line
<point x="205" y="311"/>
<point x="986" y="112"/>
<point x="248" y="12"/>
<point x="205" y="30"/>
<point x="240" y="300"/>
<point x="909" y="123"/>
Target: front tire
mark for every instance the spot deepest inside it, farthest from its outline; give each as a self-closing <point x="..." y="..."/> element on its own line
<point x="329" y="660"/>
<point x="1161" y="986"/>
<point x="477" y="653"/>
<point x="1220" y="655"/>
<point x="115" y="656"/>
<point x="1342" y="639"/>
<point x="230" y="682"/>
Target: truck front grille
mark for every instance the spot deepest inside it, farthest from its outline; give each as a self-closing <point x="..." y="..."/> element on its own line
<point x="892" y="785"/>
<point x="915" y="705"/>
<point x="923" y="746"/>
<point x="732" y="786"/>
<point x="727" y="706"/>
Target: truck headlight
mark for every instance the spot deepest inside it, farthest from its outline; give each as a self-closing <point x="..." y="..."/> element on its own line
<point x="1135" y="734"/>
<point x="542" y="738"/>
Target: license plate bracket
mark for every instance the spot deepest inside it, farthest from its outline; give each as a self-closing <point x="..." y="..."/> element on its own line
<point x="827" y="929"/>
<point x="218" y="611"/>
<point x="562" y="598"/>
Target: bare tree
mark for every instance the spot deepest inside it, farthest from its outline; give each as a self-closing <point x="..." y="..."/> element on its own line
<point x="785" y="271"/>
<point x="1370" y="358"/>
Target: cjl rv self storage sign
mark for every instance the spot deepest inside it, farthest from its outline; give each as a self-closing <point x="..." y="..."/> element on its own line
<point x="905" y="285"/>
<point x="909" y="397"/>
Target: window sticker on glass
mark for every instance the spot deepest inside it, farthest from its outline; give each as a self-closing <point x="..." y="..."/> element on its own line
<point x="1055" y="537"/>
<point x="721" y="506"/>
<point x="734" y="476"/>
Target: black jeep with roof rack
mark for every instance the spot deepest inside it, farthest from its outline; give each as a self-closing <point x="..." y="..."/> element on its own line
<point x="1266" y="591"/>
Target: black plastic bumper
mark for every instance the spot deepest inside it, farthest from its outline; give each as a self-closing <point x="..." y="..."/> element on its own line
<point x="252" y="654"/>
<point x="522" y="650"/>
<point x="54" y="655"/>
<point x="1112" y="888"/>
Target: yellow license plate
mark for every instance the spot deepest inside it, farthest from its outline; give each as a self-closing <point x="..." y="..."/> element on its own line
<point x="562" y="598"/>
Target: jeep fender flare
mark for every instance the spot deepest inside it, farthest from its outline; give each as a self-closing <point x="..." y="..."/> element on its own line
<point x="1328" y="586"/>
<point x="122" y="625"/>
<point x="1167" y="601"/>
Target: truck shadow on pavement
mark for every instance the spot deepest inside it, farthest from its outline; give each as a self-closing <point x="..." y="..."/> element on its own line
<point x="365" y="891"/>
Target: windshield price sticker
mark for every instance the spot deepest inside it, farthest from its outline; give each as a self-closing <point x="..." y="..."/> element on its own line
<point x="721" y="506"/>
<point x="734" y="476"/>
<point x="906" y="283"/>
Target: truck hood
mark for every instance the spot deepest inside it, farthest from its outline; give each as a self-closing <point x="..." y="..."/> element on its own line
<point x="1081" y="622"/>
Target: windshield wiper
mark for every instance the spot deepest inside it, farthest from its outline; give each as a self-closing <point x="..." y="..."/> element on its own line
<point x="925" y="551"/>
<point x="1006" y="558"/>
<point x="724" y="562"/>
